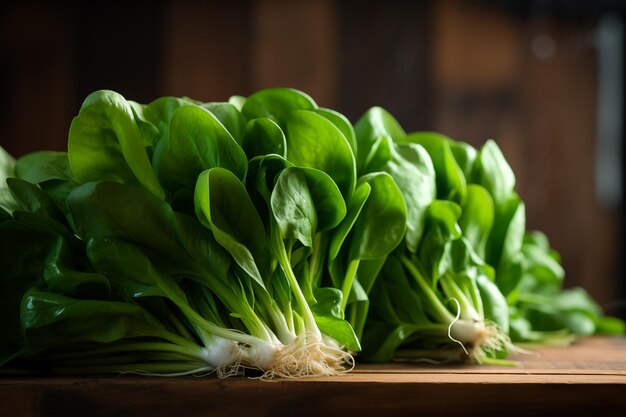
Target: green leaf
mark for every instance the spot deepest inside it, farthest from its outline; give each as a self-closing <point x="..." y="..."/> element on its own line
<point x="7" y="170"/>
<point x="23" y="250"/>
<point x="171" y="239"/>
<point x="495" y="174"/>
<point x="329" y="204"/>
<point x="61" y="275"/>
<point x="50" y="320"/>
<point x="315" y="142"/>
<point x="441" y="229"/>
<point x="373" y="125"/>
<point x="451" y="182"/>
<point x="494" y="304"/>
<point x="131" y="273"/>
<point x="223" y="205"/>
<point x="465" y="156"/>
<point x="293" y="207"/>
<point x="276" y="104"/>
<point x="610" y="325"/>
<point x="230" y="117"/>
<point x="156" y="116"/>
<point x="477" y="218"/>
<point x="328" y="316"/>
<point x="263" y="137"/>
<point x="342" y="123"/>
<point x="413" y="172"/>
<point x="237" y="101"/>
<point x="105" y="143"/>
<point x="197" y="141"/>
<point x="507" y="235"/>
<point x="31" y="198"/>
<point x="381" y="340"/>
<point x="381" y="224"/>
<point x="43" y="166"/>
<point x="356" y="204"/>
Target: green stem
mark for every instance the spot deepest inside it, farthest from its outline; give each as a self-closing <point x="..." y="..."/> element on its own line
<point x="468" y="312"/>
<point x="283" y="261"/>
<point x="178" y="325"/>
<point x="316" y="261"/>
<point x="219" y="331"/>
<point x="444" y="316"/>
<point x="346" y="286"/>
<point x="285" y="334"/>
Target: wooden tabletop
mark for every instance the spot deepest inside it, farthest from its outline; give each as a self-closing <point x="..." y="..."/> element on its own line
<point x="585" y="379"/>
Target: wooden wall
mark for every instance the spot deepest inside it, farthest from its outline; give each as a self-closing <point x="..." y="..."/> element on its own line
<point x="463" y="68"/>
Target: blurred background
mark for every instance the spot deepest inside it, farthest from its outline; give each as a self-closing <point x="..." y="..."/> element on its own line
<point x="545" y="79"/>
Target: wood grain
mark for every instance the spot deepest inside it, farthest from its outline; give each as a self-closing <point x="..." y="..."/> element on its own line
<point x="588" y="378"/>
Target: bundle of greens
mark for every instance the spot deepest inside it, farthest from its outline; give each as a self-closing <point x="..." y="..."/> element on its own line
<point x="473" y="282"/>
<point x="181" y="237"/>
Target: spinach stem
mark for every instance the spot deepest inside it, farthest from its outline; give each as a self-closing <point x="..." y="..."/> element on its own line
<point x="346" y="287"/>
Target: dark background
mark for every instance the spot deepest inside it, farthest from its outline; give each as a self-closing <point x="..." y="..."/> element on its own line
<point x="543" y="78"/>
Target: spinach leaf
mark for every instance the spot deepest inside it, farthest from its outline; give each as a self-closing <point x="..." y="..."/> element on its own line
<point x="105" y="143"/>
<point x="197" y="141"/>
<point x="315" y="142"/>
<point x="276" y="104"/>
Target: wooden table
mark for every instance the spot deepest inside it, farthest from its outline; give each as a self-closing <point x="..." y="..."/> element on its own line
<point x="586" y="379"/>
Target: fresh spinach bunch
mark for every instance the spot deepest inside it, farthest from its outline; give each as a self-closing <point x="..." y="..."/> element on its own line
<point x="201" y="231"/>
<point x="474" y="281"/>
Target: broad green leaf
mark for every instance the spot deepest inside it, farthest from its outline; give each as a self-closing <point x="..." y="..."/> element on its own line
<point x="23" y="250"/>
<point x="276" y="104"/>
<point x="451" y="181"/>
<point x="495" y="174"/>
<point x="315" y="142"/>
<point x="340" y="330"/>
<point x="373" y="125"/>
<point x="494" y="304"/>
<point x="329" y="204"/>
<point x="465" y="156"/>
<point x="43" y="166"/>
<point x="328" y="316"/>
<point x="507" y="234"/>
<point x="223" y="205"/>
<point x="413" y="172"/>
<point x="382" y="340"/>
<point x="237" y="101"/>
<point x="355" y="205"/>
<point x="105" y="143"/>
<point x="440" y="230"/>
<point x="381" y="152"/>
<point x="131" y="273"/>
<point x="262" y="137"/>
<point x="342" y="123"/>
<point x="62" y="275"/>
<point x="381" y="224"/>
<point x="51" y="319"/>
<point x="171" y="239"/>
<point x="230" y="117"/>
<point x="293" y="207"/>
<point x="477" y="218"/>
<point x="197" y="141"/>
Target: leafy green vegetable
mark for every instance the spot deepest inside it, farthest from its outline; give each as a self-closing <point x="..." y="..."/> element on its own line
<point x="181" y="237"/>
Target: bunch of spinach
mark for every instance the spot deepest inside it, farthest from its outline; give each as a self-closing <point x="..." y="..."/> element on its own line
<point x="468" y="280"/>
<point x="180" y="236"/>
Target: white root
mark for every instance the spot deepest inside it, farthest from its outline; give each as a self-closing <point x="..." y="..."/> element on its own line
<point x="308" y="356"/>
